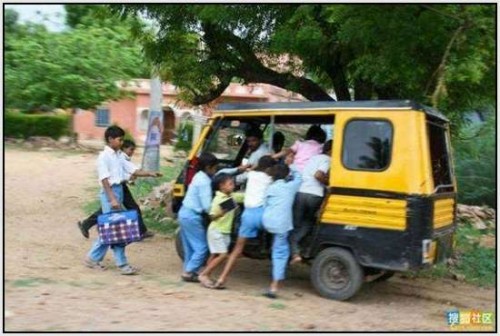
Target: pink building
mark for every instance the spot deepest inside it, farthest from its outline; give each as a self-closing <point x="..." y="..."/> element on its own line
<point x="132" y="113"/>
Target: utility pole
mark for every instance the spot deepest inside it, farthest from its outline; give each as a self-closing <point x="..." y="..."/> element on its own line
<point x="151" y="157"/>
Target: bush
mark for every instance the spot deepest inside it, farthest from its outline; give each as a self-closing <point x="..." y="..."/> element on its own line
<point x="185" y="136"/>
<point x="476" y="165"/>
<point x="18" y="125"/>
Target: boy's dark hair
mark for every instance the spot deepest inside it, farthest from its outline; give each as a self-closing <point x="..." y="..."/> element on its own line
<point x="279" y="171"/>
<point x="265" y="162"/>
<point x="254" y="132"/>
<point x="315" y="132"/>
<point x="113" y="132"/>
<point x="327" y="146"/>
<point x="206" y="160"/>
<point x="128" y="144"/>
<point x="220" y="179"/>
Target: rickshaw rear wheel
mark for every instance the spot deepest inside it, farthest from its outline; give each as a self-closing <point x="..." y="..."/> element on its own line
<point x="336" y="274"/>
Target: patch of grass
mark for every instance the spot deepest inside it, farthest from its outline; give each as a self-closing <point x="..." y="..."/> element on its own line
<point x="152" y="219"/>
<point x="277" y="305"/>
<point x="144" y="186"/>
<point x="75" y="284"/>
<point x="30" y="282"/>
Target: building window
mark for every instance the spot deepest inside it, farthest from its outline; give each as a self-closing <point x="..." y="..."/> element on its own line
<point x="143" y="121"/>
<point x="367" y="145"/>
<point x="102" y="117"/>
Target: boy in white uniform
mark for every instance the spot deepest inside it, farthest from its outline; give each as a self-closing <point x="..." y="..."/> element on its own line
<point x="112" y="168"/>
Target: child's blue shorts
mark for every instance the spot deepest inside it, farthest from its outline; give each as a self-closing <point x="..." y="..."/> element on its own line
<point x="251" y="222"/>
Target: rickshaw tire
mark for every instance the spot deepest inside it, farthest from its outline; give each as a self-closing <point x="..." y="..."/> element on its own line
<point x="352" y="267"/>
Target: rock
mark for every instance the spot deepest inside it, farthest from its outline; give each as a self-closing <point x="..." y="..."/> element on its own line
<point x="487" y="241"/>
<point x="308" y="326"/>
<point x="180" y="154"/>
<point x="479" y="224"/>
<point x="65" y="140"/>
<point x="458" y="277"/>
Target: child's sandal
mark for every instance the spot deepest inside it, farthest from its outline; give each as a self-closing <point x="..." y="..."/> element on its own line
<point x="270" y="294"/>
<point x="93" y="264"/>
<point x="190" y="278"/>
<point x="219" y="285"/>
<point x="206" y="282"/>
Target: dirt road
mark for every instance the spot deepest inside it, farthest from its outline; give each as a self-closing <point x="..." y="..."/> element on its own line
<point x="48" y="289"/>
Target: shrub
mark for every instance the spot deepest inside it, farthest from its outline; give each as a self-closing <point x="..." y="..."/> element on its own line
<point x="476" y="165"/>
<point x="185" y="136"/>
<point x="18" y="125"/>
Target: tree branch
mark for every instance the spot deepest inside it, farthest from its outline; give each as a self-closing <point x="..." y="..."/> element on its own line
<point x="440" y="70"/>
<point x="247" y="66"/>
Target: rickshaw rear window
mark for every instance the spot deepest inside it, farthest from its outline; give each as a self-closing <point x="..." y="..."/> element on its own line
<point x="367" y="145"/>
<point x="440" y="157"/>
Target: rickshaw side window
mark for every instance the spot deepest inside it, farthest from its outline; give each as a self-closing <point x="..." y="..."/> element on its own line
<point x="227" y="142"/>
<point x="367" y="145"/>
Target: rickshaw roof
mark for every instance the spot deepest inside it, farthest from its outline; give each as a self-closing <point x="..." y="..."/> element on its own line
<point x="386" y="105"/>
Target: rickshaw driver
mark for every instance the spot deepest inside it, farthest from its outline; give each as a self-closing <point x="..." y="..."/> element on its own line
<point x="256" y="149"/>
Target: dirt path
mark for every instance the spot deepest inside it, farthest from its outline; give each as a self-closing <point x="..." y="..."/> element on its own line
<point x="48" y="289"/>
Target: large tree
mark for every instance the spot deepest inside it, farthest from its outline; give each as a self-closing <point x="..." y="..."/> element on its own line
<point x="438" y="54"/>
<point x="78" y="67"/>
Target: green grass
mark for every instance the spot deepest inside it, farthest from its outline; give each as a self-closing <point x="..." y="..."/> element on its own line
<point x="30" y="282"/>
<point x="474" y="262"/>
<point x="277" y="305"/>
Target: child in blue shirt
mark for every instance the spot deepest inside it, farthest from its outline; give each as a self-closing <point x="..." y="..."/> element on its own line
<point x="197" y="201"/>
<point x="277" y="219"/>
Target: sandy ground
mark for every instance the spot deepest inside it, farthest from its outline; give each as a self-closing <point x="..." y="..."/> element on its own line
<point x="48" y="289"/>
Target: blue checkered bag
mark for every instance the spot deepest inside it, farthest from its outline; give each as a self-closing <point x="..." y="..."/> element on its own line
<point x="118" y="227"/>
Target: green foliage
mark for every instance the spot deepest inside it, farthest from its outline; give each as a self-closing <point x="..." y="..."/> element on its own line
<point x="477" y="263"/>
<point x="79" y="67"/>
<point x="441" y="55"/>
<point x="184" y="136"/>
<point x="18" y="125"/>
<point x="476" y="163"/>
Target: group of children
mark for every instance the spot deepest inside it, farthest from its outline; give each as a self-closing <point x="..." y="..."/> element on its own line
<point x="281" y="197"/>
<point x="270" y="200"/>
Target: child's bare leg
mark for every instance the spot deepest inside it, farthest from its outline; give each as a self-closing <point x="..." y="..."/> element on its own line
<point x="274" y="286"/>
<point x="204" y="276"/>
<point x="212" y="257"/>
<point x="237" y="250"/>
